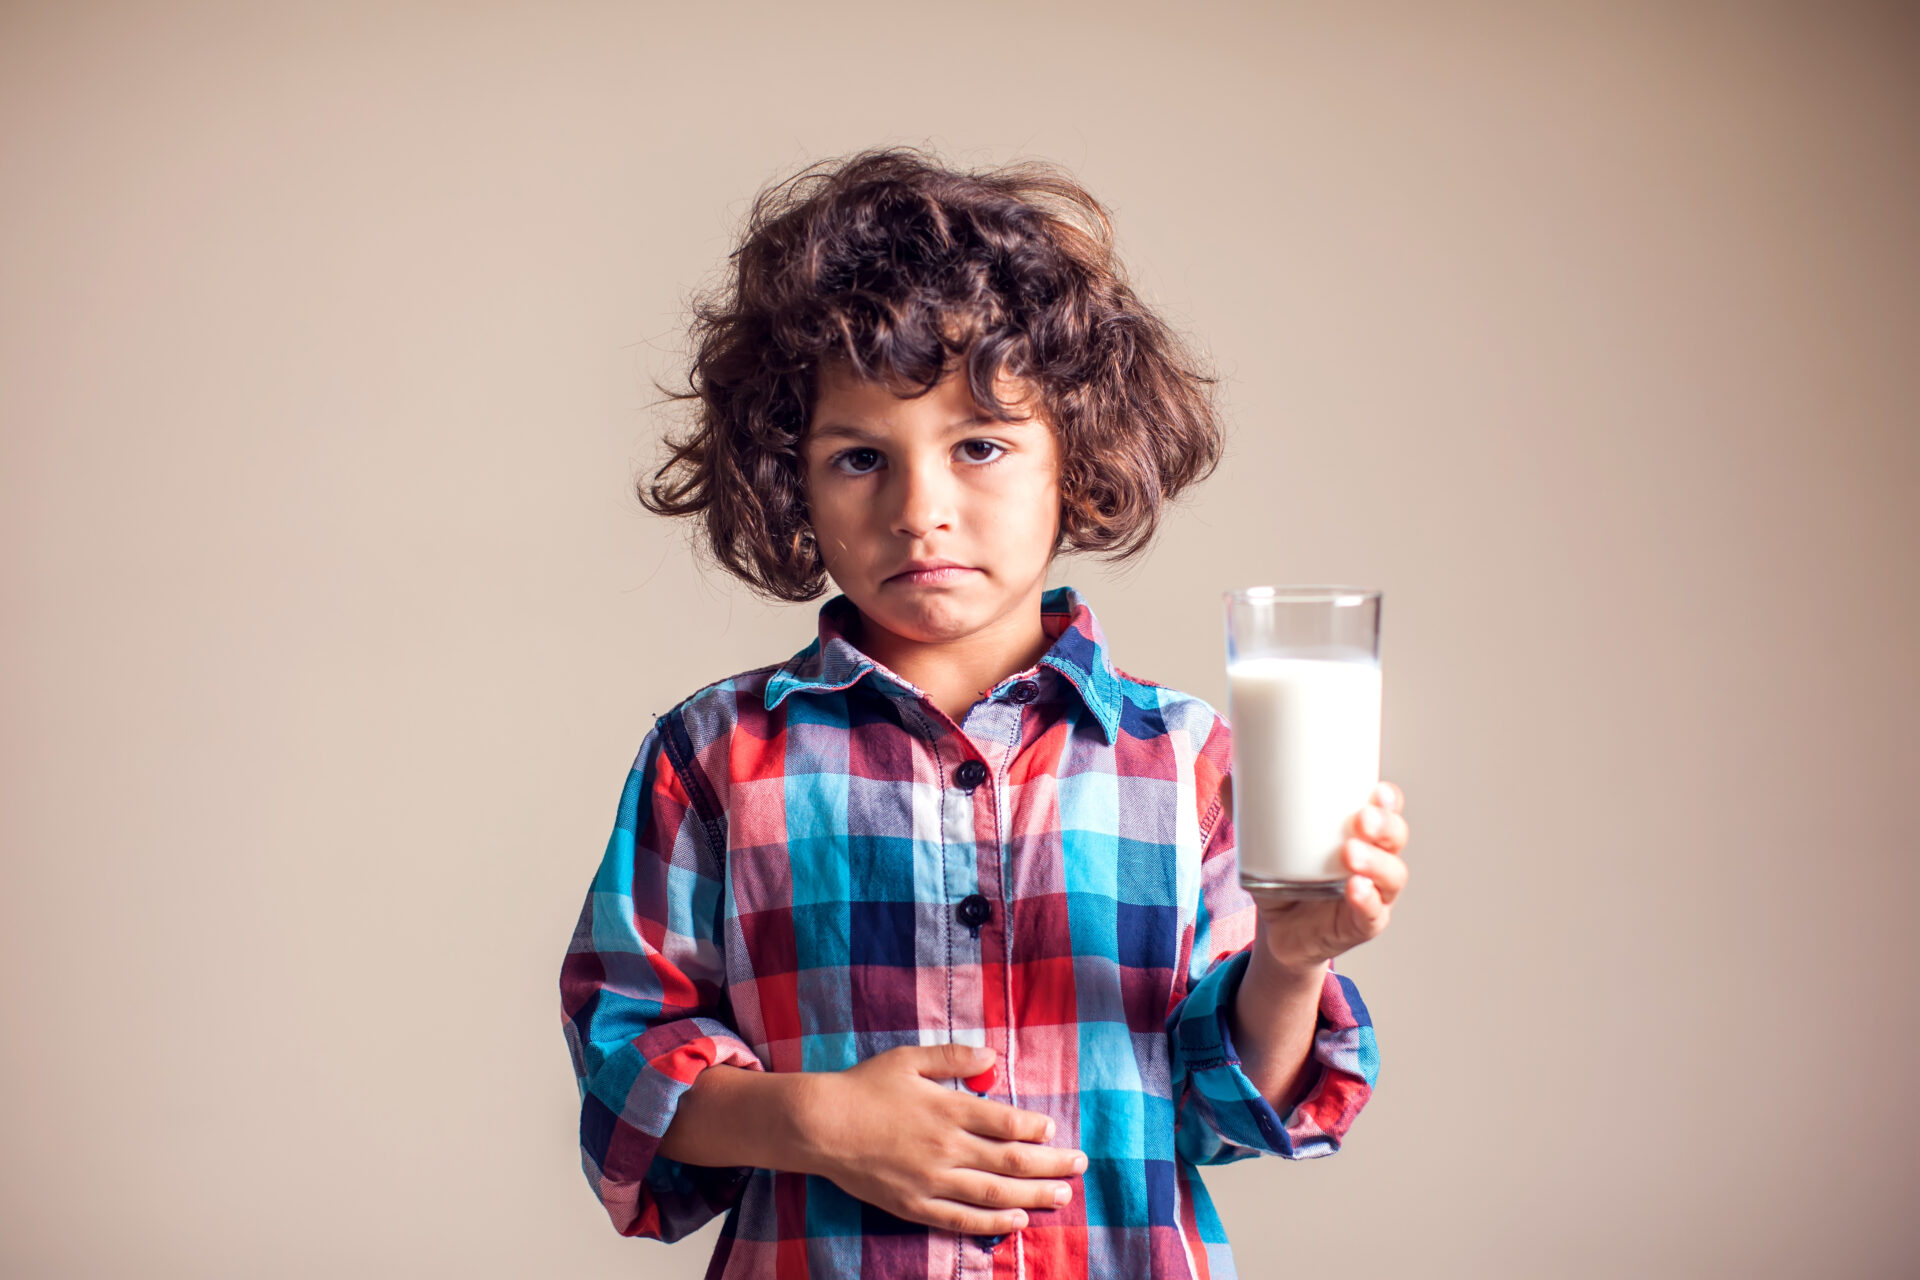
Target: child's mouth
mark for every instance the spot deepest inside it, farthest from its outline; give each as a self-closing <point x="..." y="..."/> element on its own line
<point x="932" y="577"/>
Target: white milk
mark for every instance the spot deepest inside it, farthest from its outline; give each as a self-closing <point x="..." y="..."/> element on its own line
<point x="1306" y="755"/>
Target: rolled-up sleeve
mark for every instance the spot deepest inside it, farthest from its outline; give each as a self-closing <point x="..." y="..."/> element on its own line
<point x="1221" y="1115"/>
<point x="643" y="998"/>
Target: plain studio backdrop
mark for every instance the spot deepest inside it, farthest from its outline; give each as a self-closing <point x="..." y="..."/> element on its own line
<point x="1587" y="332"/>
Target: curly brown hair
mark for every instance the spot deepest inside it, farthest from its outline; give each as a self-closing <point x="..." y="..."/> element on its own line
<point x="900" y="269"/>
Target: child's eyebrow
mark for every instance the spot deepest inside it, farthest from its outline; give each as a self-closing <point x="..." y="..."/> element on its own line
<point x="846" y="431"/>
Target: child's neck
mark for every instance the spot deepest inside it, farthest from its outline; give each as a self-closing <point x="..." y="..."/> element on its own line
<point x="956" y="673"/>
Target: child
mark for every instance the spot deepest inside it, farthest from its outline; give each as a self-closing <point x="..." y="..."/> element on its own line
<point x="924" y="951"/>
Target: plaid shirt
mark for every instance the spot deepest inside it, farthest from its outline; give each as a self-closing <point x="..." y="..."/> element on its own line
<point x="811" y="863"/>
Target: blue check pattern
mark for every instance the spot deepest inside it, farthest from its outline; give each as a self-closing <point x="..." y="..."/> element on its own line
<point x="811" y="864"/>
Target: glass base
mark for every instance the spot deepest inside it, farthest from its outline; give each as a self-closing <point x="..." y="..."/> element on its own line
<point x="1293" y="888"/>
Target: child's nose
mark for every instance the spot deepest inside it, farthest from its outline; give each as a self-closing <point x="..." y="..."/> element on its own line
<point x="925" y="501"/>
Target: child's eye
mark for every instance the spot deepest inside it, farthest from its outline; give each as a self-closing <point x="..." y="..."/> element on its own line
<point x="857" y="462"/>
<point x="968" y="448"/>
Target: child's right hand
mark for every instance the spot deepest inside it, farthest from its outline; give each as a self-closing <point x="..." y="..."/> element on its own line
<point x="884" y="1132"/>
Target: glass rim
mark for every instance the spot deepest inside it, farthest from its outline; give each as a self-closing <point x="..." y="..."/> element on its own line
<point x="1304" y="593"/>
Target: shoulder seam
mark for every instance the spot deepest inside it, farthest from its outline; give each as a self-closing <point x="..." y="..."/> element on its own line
<point x="1182" y="694"/>
<point x="714" y="684"/>
<point x="1210" y="823"/>
<point x="678" y="745"/>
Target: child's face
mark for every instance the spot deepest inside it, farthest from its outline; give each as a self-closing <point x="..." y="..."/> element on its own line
<point x="891" y="481"/>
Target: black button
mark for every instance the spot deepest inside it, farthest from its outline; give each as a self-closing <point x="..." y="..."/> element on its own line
<point x="970" y="774"/>
<point x="973" y="911"/>
<point x="1025" y="691"/>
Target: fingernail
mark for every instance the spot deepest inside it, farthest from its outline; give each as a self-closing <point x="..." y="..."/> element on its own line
<point x="1357" y="855"/>
<point x="1372" y="821"/>
<point x="1049" y="1134"/>
<point x="1019" y="1217"/>
<point x="1062" y="1194"/>
<point x="1079" y="1162"/>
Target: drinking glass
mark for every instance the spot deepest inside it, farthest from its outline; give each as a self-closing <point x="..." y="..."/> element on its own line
<point x="1303" y="699"/>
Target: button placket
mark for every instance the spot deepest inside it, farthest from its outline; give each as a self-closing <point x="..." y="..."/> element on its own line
<point x="973" y="910"/>
<point x="987" y="729"/>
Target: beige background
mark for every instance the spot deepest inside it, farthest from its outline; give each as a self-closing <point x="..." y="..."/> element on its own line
<point x="1586" y="331"/>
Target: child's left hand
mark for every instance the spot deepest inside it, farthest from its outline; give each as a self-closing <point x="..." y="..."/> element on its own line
<point x="1301" y="933"/>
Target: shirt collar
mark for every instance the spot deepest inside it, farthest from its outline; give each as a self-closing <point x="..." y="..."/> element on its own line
<point x="831" y="662"/>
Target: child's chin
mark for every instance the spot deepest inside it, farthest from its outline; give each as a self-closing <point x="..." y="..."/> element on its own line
<point x="929" y="617"/>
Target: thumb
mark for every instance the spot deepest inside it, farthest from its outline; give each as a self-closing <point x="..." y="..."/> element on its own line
<point x="943" y="1061"/>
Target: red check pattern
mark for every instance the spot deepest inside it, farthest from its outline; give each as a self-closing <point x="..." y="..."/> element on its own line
<point x="800" y="876"/>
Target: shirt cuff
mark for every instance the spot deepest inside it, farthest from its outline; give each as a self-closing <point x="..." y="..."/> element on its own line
<point x="625" y="1113"/>
<point x="1344" y="1058"/>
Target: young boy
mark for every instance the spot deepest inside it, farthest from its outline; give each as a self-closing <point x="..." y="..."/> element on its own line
<point x="924" y="952"/>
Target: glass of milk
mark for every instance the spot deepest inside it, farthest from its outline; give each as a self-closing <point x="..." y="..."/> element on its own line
<point x="1303" y="700"/>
